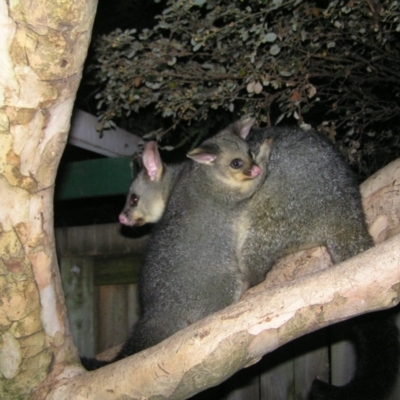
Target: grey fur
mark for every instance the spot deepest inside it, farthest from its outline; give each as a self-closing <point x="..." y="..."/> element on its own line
<point x="310" y="197"/>
<point x="191" y="267"/>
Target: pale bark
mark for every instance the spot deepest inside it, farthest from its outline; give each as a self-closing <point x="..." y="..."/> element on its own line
<point x="43" y="45"/>
<point x="292" y="301"/>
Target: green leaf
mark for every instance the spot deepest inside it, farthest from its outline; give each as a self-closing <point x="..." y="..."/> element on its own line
<point x="172" y="61"/>
<point x="275" y="49"/>
<point x="197" y="46"/>
<point x="250" y="87"/>
<point x="280" y="118"/>
<point x="269" y="37"/>
<point x="258" y="88"/>
<point x="286" y="73"/>
<point x="199" y="3"/>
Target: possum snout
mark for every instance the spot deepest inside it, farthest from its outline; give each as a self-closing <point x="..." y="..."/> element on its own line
<point x="123" y="219"/>
<point x="254" y="171"/>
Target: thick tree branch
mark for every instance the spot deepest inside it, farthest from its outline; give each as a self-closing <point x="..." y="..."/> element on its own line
<point x="208" y="352"/>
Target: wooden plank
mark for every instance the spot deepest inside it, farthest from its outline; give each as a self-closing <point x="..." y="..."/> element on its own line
<point x="117" y="270"/>
<point x="111" y="143"/>
<point x="112" y="315"/>
<point x="133" y="304"/>
<point x="77" y="283"/>
<point x="277" y="378"/>
<point x="343" y="362"/>
<point x="93" y="178"/>
<point x="312" y="362"/>
<point x="102" y="239"/>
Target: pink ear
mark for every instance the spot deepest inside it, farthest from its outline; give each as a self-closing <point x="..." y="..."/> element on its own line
<point x="152" y="161"/>
<point x="245" y="127"/>
<point x="202" y="158"/>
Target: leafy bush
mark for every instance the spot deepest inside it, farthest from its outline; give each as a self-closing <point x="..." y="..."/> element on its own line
<point x="332" y="65"/>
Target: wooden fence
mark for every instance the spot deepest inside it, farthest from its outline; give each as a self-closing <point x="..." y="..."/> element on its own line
<point x="99" y="269"/>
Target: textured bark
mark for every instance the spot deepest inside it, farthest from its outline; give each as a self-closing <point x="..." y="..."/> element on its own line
<point x="43" y="46"/>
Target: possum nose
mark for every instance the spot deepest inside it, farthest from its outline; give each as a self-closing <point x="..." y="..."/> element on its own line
<point x="123" y="219"/>
<point x="254" y="171"/>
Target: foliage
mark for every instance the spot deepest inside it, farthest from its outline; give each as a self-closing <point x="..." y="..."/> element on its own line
<point x="333" y="65"/>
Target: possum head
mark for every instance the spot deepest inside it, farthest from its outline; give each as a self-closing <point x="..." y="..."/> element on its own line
<point x="146" y="198"/>
<point x="227" y="162"/>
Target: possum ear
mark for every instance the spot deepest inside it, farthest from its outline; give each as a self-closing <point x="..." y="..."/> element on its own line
<point x="244" y="126"/>
<point x="205" y="154"/>
<point x="264" y="152"/>
<point x="152" y="161"/>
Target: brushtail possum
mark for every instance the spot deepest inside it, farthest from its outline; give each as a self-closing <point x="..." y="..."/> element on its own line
<point x="149" y="191"/>
<point x="310" y="197"/>
<point x="190" y="268"/>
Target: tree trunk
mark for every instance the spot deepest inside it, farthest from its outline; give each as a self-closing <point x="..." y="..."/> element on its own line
<point x="43" y="47"/>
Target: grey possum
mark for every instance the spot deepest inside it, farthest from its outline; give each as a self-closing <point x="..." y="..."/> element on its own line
<point x="149" y="191"/>
<point x="195" y="241"/>
<point x="310" y="197"/>
<point x="190" y="268"/>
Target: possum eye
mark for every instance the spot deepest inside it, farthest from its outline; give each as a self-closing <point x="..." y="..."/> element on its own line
<point x="134" y="200"/>
<point x="236" y="163"/>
